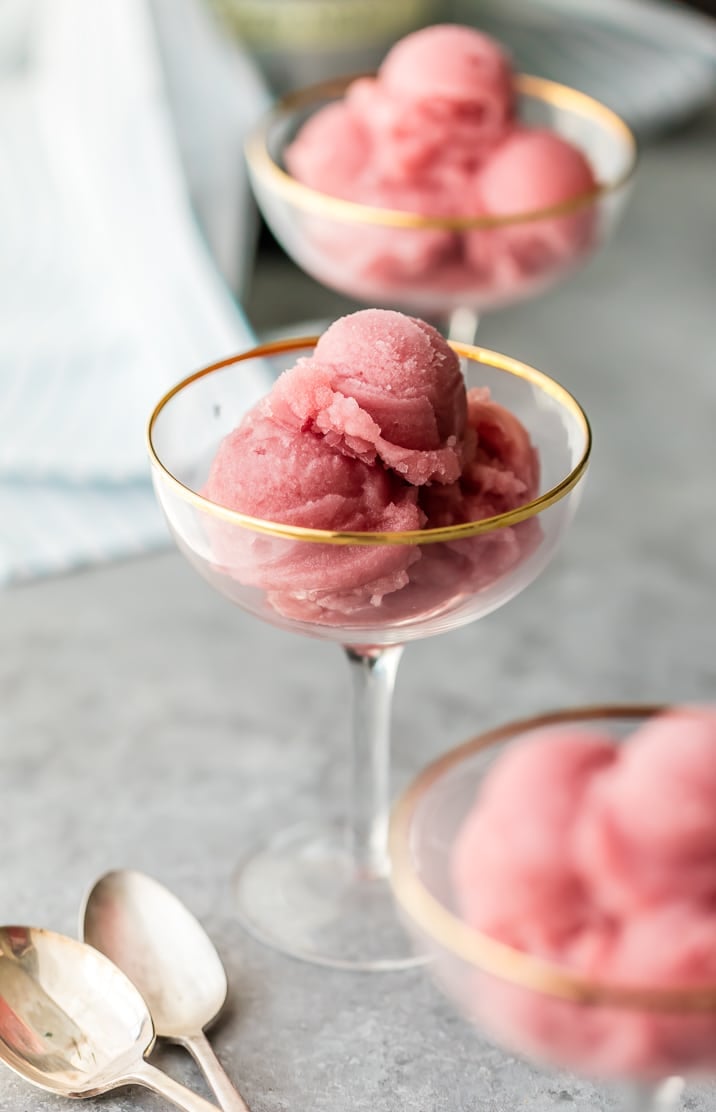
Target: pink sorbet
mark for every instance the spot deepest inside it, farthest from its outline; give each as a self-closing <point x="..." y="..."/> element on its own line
<point x="353" y="439"/>
<point x="600" y="857"/>
<point x="381" y="386"/>
<point x="442" y="97"/>
<point x="283" y="474"/>
<point x="529" y="171"/>
<point x="635" y="855"/>
<point x="333" y="151"/>
<point x="511" y="867"/>
<point x="434" y="133"/>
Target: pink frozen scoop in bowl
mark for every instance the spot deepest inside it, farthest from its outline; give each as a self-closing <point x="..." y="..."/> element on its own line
<point x="387" y="488"/>
<point x="562" y="872"/>
<point x="444" y="182"/>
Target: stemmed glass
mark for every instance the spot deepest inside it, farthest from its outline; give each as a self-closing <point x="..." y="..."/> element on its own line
<point x="447" y="269"/>
<point x="642" y="1035"/>
<point x="322" y="893"/>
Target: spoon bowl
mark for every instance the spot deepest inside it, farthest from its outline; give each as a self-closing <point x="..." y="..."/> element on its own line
<point x="160" y="946"/>
<point x="166" y="953"/>
<point x="72" y="1023"/>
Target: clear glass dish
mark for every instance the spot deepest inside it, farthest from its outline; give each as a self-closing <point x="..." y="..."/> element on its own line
<point x="441" y="266"/>
<point x="642" y="1035"/>
<point x="322" y="894"/>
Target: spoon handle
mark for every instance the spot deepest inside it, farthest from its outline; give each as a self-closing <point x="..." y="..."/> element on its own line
<point x="151" y="1078"/>
<point x="201" y="1051"/>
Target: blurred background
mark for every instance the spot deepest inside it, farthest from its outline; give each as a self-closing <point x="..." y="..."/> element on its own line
<point x="132" y="248"/>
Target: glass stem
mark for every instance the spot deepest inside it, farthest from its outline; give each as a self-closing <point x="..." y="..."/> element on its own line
<point x="664" y="1096"/>
<point x="461" y="326"/>
<point x="373" y="674"/>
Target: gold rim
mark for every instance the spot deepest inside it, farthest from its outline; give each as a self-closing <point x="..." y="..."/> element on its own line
<point x="303" y="196"/>
<point x="480" y="950"/>
<point x="415" y="536"/>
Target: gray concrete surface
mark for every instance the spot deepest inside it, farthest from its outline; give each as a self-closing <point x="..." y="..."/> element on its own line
<point x="145" y="722"/>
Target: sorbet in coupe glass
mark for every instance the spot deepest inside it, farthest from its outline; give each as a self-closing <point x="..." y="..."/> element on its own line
<point x="446" y="181"/>
<point x="376" y="495"/>
<point x="563" y="871"/>
<point x="375" y="432"/>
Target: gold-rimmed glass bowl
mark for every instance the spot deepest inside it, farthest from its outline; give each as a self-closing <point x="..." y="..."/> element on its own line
<point x="645" y="1035"/>
<point x="322" y="894"/>
<point x="444" y="267"/>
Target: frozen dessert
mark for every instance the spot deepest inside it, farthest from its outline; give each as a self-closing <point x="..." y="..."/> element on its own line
<point x="531" y="170"/>
<point x="382" y="386"/>
<point x="601" y="857"/>
<point x="435" y="133"/>
<point x="670" y="852"/>
<point x="332" y="151"/>
<point x="442" y="100"/>
<point x="373" y="433"/>
<point x="509" y="864"/>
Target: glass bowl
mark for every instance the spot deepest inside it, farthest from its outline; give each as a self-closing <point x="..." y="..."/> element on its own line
<point x="640" y="1034"/>
<point x="322" y="894"/>
<point x="437" y="265"/>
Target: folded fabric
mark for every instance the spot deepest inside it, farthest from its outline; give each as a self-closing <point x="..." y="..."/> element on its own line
<point x="216" y="93"/>
<point x="109" y="292"/>
<point x="51" y="528"/>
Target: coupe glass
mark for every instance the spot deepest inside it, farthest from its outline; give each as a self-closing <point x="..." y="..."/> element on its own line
<point x="322" y="893"/>
<point x="645" y="1037"/>
<point x="447" y="269"/>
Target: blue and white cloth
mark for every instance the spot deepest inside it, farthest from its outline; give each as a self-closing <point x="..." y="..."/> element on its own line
<point x="109" y="293"/>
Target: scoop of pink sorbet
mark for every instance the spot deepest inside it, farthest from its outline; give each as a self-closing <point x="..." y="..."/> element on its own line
<point x="635" y="854"/>
<point x="282" y="474"/>
<point x="501" y="472"/>
<point x="532" y="169"/>
<point x="511" y="866"/>
<point x="442" y="98"/>
<point x="381" y="386"/>
<point x="332" y="151"/>
<point x="349" y="440"/>
<point x="504" y="471"/>
<point x="434" y="133"/>
<point x="463" y="74"/>
<point x="601" y="858"/>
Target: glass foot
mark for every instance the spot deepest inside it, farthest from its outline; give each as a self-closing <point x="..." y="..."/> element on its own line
<point x="302" y="895"/>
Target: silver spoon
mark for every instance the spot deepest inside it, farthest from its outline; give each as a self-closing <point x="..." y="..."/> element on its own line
<point x="149" y="934"/>
<point x="72" y="1023"/>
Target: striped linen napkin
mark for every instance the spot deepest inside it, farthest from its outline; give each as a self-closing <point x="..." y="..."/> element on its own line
<point x="108" y="290"/>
